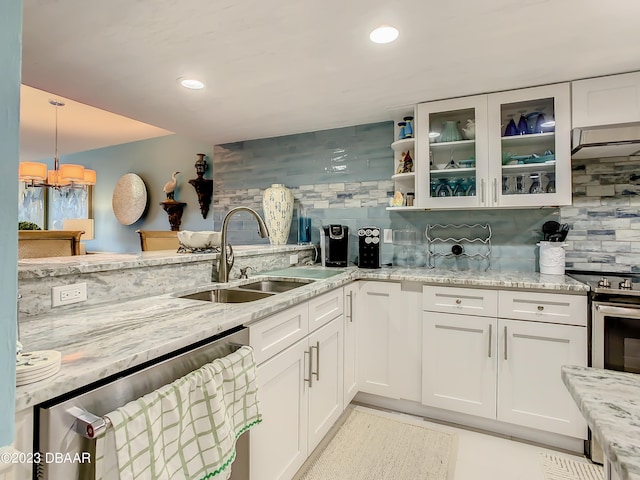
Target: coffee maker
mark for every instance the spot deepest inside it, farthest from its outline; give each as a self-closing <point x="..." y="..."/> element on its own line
<point x="334" y="245"/>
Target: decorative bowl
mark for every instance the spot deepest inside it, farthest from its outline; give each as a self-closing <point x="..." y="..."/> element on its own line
<point x="202" y="239"/>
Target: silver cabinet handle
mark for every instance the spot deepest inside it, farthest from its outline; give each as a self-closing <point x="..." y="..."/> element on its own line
<point x="317" y="372"/>
<point x="490" y="335"/>
<point x="505" y="342"/>
<point x="350" y="316"/>
<point x="495" y="190"/>
<point x="309" y="370"/>
<point x="482" y="191"/>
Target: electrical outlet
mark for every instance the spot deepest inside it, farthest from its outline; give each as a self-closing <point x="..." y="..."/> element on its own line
<point x="387" y="235"/>
<point x="68" y="294"/>
<point x="293" y="259"/>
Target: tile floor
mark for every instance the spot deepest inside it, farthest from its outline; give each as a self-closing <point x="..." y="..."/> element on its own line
<point x="486" y="457"/>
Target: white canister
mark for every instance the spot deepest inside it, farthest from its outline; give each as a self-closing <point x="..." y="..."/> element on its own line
<point x="552" y="257"/>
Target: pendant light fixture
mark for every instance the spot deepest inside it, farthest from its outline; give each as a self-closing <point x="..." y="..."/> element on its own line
<point x="67" y="175"/>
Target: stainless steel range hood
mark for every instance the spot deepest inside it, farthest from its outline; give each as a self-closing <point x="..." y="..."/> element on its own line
<point x="620" y="140"/>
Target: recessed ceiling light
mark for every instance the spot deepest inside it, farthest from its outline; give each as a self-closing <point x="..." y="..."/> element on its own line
<point x="191" y="83"/>
<point x="384" y="34"/>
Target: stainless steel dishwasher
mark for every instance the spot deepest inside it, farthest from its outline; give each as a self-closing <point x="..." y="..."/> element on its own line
<point x="70" y="424"/>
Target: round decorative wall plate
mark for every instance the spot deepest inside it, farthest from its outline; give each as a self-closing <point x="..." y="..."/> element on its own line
<point x="129" y="199"/>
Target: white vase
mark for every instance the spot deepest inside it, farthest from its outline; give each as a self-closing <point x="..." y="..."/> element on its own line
<point x="277" y="204"/>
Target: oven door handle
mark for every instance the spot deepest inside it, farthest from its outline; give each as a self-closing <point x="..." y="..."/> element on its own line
<point x="621" y="311"/>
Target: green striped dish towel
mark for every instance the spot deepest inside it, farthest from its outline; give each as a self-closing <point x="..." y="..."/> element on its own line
<point x="184" y="430"/>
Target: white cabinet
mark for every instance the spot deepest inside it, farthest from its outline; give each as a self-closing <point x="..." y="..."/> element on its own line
<point x="530" y="390"/>
<point x="506" y="369"/>
<point x="326" y="380"/>
<point x="351" y="298"/>
<point x="498" y="164"/>
<point x="300" y="383"/>
<point x="606" y="100"/>
<point x="459" y="363"/>
<point x="388" y="339"/>
<point x="285" y="410"/>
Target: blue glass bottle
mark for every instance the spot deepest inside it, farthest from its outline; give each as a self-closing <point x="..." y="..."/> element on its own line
<point x="408" y="129"/>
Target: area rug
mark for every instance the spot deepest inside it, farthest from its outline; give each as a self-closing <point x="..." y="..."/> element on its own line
<point x="561" y="468"/>
<point x="371" y="445"/>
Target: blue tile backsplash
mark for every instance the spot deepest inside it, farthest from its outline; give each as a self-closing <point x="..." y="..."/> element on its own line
<point x="343" y="176"/>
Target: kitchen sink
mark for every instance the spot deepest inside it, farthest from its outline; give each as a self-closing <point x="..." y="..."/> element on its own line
<point x="275" y="286"/>
<point x="229" y="295"/>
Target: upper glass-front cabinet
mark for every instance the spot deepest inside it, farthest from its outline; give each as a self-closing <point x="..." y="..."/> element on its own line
<point x="508" y="149"/>
<point x="452" y="149"/>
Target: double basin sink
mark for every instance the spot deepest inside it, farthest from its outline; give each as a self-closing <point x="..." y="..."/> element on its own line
<point x="249" y="292"/>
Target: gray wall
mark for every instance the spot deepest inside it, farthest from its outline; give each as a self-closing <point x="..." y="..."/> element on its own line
<point x="10" y="58"/>
<point x="153" y="160"/>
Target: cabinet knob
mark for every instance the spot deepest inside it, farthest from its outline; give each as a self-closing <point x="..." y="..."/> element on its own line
<point x="458" y="301"/>
<point x="540" y="308"/>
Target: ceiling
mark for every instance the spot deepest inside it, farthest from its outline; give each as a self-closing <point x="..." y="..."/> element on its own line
<point x="288" y="66"/>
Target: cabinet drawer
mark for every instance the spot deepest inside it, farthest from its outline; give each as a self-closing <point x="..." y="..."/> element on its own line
<point x="324" y="308"/>
<point x="466" y="301"/>
<point x="275" y="333"/>
<point x="543" y="307"/>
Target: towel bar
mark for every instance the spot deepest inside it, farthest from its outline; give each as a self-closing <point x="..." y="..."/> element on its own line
<point x="87" y="424"/>
<point x="92" y="426"/>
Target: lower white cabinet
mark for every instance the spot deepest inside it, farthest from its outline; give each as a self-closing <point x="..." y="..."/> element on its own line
<point x="504" y="369"/>
<point x="301" y="397"/>
<point x="530" y="390"/>
<point x="350" y="351"/>
<point x="459" y="362"/>
<point x="285" y="409"/>
<point x="388" y="347"/>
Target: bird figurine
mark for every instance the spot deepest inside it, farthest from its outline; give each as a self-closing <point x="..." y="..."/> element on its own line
<point x="170" y="187"/>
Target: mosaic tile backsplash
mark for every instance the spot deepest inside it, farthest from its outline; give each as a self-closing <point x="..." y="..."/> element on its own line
<point x="343" y="176"/>
<point x="605" y="215"/>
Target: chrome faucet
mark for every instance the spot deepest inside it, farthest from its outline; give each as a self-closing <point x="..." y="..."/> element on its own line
<point x="225" y="261"/>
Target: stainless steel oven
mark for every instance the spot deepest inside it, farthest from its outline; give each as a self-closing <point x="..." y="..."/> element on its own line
<point x="614" y="327"/>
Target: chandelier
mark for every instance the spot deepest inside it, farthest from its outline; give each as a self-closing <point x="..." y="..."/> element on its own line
<point x="67" y="175"/>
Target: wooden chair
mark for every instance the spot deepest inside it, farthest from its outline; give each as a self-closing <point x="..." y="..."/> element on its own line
<point x="158" y="240"/>
<point x="48" y="243"/>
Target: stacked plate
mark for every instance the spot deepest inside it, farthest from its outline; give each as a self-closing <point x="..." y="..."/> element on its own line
<point x="35" y="366"/>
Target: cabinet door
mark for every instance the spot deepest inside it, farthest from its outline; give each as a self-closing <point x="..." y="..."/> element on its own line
<point x="451" y="148"/>
<point x="326" y="389"/>
<point x="606" y="100"/>
<point x="378" y="338"/>
<point x="530" y="390"/>
<point x="350" y="351"/>
<point x="529" y="147"/>
<point x="459" y="360"/>
<point x="284" y="404"/>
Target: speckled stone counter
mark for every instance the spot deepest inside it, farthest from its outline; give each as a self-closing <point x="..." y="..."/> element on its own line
<point x="610" y="403"/>
<point x="106" y="339"/>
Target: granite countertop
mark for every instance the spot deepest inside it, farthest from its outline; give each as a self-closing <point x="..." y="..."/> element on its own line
<point x="610" y="403"/>
<point x="106" y="339"/>
<point x="103" y="262"/>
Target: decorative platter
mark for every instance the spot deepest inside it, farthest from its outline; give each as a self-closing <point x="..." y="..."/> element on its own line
<point x="129" y="200"/>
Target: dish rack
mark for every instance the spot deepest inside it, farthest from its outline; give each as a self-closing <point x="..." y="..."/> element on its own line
<point x="461" y="246"/>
